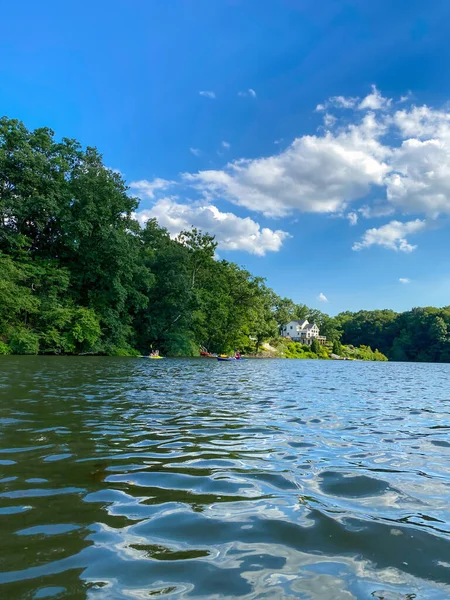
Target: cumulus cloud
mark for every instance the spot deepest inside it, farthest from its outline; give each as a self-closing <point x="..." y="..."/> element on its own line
<point x="391" y="236"/>
<point x="247" y="93"/>
<point x="404" y="280"/>
<point x="208" y="94"/>
<point x="422" y="122"/>
<point x="146" y="189"/>
<point x="195" y="151"/>
<point x="375" y="101"/>
<point x="226" y="145"/>
<point x="231" y="232"/>
<point x="379" y="159"/>
<point x="420" y="176"/>
<point x="319" y="174"/>
<point x="326" y="172"/>
<point x="322" y="298"/>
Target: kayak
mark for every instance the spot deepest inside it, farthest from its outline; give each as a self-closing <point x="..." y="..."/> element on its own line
<point x="228" y="358"/>
<point x="153" y="357"/>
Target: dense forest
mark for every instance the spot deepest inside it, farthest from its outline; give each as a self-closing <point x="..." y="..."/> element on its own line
<point x="78" y="275"/>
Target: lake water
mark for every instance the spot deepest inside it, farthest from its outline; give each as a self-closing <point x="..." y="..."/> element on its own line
<point x="129" y="478"/>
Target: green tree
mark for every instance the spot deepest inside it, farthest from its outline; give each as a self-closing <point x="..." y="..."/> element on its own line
<point x="315" y="346"/>
<point x="337" y="347"/>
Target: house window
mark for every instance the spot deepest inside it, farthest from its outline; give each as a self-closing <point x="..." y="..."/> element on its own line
<point x="292" y="327"/>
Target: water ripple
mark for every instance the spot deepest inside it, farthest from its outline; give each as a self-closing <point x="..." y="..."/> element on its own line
<point x="120" y="478"/>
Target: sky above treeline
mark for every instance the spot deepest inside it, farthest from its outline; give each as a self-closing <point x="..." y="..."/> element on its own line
<point x="311" y="138"/>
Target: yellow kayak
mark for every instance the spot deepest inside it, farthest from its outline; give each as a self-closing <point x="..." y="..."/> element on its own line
<point x="153" y="357"/>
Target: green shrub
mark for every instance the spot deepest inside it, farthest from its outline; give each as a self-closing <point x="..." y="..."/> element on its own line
<point x="123" y="351"/>
<point x="4" y="349"/>
<point x="337" y="347"/>
<point x="24" y="341"/>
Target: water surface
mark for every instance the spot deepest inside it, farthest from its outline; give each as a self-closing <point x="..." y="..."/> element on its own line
<point x="127" y="478"/>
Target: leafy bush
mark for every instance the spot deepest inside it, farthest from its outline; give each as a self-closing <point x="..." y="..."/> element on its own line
<point x="363" y="353"/>
<point x="4" y="349"/>
<point x="24" y="341"/>
<point x="337" y="347"/>
<point x="86" y="327"/>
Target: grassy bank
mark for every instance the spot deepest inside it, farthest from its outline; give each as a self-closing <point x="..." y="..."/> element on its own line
<point x="281" y="348"/>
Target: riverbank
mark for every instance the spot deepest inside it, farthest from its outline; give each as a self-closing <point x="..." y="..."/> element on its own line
<point x="281" y="348"/>
<point x="293" y="350"/>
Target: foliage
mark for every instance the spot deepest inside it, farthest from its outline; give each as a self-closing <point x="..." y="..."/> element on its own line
<point x="362" y="353"/>
<point x="4" y="349"/>
<point x="337" y="347"/>
<point x="297" y="350"/>
<point x="315" y="346"/>
<point x="24" y="341"/>
<point x="421" y="334"/>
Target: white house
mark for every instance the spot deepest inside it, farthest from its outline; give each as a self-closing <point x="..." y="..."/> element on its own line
<point x="302" y="331"/>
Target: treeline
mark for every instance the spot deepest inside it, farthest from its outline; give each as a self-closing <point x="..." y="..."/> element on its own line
<point x="421" y="334"/>
<point x="78" y="275"/>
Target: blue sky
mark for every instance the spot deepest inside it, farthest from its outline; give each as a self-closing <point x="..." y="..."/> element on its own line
<point x="343" y="200"/>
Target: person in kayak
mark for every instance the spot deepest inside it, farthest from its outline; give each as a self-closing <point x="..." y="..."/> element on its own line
<point x="237" y="355"/>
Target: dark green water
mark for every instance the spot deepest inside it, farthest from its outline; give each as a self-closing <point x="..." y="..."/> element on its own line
<point x="126" y="478"/>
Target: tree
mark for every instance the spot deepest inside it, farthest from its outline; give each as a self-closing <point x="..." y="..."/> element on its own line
<point x="337" y="347"/>
<point x="315" y="346"/>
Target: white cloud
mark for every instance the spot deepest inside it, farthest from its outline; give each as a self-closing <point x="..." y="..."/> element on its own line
<point x="421" y="180"/>
<point x="231" y="232"/>
<point x="329" y="120"/>
<point x="195" y="151"/>
<point x="338" y="102"/>
<point x="391" y="236"/>
<point x="146" y="189"/>
<point x="352" y="217"/>
<point x="319" y="174"/>
<point x="324" y="173"/>
<point x="404" y="280"/>
<point x="226" y="145"/>
<point x="405" y="98"/>
<point x="420" y="177"/>
<point x="278" y="141"/>
<point x="342" y="102"/>
<point x="208" y="94"/>
<point x="393" y="160"/>
<point x="376" y="210"/>
<point x="422" y="122"/>
<point x="375" y="101"/>
<point x="322" y="298"/>
<point x="247" y="93"/>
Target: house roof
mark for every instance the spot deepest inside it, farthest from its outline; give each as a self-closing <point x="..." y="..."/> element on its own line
<point x="302" y="323"/>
